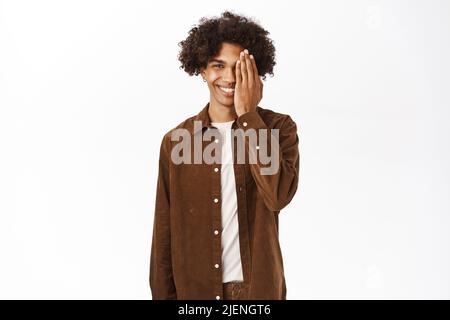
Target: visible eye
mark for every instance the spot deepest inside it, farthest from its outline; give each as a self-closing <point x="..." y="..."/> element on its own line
<point x="218" y="66"/>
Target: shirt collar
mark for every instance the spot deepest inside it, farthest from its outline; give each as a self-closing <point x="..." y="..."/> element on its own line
<point x="202" y="116"/>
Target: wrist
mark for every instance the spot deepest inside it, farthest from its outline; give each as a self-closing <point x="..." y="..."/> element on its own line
<point x="244" y="110"/>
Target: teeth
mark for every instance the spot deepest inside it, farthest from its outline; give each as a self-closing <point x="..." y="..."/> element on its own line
<point x="228" y="90"/>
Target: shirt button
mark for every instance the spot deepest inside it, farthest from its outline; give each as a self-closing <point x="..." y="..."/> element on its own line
<point x="216" y="169"/>
<point x="244" y="124"/>
<point x="216" y="232"/>
<point x="216" y="266"/>
<point x="216" y="141"/>
<point x="216" y="200"/>
<point x="257" y="147"/>
<point x="240" y="188"/>
<point x="217" y="297"/>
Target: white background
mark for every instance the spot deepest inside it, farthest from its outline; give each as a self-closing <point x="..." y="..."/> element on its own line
<point x="88" y="88"/>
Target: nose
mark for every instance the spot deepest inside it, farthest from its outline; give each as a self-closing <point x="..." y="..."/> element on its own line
<point x="228" y="75"/>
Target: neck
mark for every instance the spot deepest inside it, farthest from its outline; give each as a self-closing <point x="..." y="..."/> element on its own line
<point x="219" y="113"/>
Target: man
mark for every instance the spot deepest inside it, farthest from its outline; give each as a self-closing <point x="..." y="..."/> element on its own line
<point x="215" y="233"/>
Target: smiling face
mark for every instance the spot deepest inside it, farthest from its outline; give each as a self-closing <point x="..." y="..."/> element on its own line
<point x="220" y="74"/>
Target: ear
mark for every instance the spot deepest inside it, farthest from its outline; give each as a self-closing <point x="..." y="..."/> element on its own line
<point x="203" y="74"/>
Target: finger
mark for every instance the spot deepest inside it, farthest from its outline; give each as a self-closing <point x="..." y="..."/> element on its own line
<point x="238" y="72"/>
<point x="249" y="65"/>
<point x="261" y="87"/>
<point x="258" y="81"/>
<point x="255" y="70"/>
<point x="243" y="69"/>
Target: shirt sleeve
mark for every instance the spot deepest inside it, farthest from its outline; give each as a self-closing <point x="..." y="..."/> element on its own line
<point x="276" y="185"/>
<point x="161" y="276"/>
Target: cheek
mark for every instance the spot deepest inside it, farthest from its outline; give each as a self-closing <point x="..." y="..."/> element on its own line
<point x="213" y="76"/>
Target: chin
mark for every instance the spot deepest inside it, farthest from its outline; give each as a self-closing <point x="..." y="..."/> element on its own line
<point x="228" y="104"/>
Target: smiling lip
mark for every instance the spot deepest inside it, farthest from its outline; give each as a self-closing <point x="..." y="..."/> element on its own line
<point x="226" y="91"/>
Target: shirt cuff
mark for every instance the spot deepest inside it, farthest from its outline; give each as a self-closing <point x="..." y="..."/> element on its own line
<point x="252" y="120"/>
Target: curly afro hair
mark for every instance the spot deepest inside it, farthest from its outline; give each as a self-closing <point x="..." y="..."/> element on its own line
<point x="204" y="40"/>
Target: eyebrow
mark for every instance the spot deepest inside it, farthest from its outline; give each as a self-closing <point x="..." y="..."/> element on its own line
<point x="217" y="60"/>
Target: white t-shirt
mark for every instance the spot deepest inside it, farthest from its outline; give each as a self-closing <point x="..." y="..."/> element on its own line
<point x="231" y="254"/>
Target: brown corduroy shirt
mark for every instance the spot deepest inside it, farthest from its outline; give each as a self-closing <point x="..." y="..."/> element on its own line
<point x="186" y="247"/>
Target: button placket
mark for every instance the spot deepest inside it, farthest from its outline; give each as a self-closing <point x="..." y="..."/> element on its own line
<point x="215" y="170"/>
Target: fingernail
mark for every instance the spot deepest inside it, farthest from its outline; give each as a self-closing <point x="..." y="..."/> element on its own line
<point x="242" y="54"/>
<point x="251" y="56"/>
<point x="246" y="51"/>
